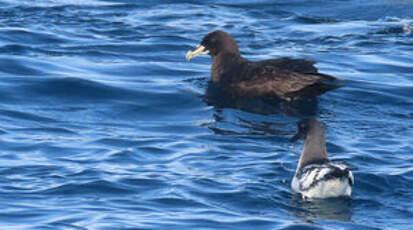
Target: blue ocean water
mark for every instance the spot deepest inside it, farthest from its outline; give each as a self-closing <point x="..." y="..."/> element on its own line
<point x="104" y="125"/>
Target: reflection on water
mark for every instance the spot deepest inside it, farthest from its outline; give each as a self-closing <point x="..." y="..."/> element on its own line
<point x="218" y="98"/>
<point x="254" y="116"/>
<point x="241" y="126"/>
<point x="339" y="209"/>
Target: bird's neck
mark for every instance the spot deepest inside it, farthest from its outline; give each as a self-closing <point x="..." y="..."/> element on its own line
<point x="314" y="151"/>
<point x="223" y="64"/>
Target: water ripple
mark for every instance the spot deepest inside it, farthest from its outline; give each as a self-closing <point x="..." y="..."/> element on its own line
<point x="104" y="125"/>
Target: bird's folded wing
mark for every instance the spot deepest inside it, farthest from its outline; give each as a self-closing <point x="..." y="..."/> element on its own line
<point x="289" y="64"/>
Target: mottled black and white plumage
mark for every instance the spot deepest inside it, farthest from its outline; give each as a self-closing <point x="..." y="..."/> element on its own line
<point x="316" y="176"/>
<point x="285" y="78"/>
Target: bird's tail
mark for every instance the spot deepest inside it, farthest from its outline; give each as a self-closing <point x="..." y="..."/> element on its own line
<point x="314" y="90"/>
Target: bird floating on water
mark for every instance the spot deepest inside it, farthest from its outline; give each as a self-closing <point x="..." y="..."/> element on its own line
<point x="285" y="78"/>
<point x="316" y="176"/>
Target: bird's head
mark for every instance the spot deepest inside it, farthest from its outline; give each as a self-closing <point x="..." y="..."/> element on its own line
<point x="307" y="126"/>
<point x="214" y="44"/>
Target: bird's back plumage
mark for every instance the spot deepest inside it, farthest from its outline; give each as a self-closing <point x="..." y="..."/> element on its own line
<point x="285" y="78"/>
<point x="323" y="180"/>
<point x="316" y="176"/>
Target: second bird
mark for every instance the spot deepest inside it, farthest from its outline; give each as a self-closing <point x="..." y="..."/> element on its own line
<point x="316" y="176"/>
<point x="284" y="78"/>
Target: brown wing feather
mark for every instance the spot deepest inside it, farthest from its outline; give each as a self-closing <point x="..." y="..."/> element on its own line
<point x="270" y="80"/>
<point x="288" y="64"/>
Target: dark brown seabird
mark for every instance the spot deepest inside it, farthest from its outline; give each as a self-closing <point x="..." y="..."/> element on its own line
<point x="285" y="78"/>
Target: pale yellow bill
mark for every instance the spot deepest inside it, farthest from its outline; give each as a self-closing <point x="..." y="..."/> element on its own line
<point x="198" y="51"/>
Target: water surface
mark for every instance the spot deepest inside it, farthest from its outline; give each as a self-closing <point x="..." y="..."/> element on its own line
<point x="104" y="125"/>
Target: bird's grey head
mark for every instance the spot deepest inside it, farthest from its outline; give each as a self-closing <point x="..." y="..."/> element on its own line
<point x="314" y="150"/>
<point x="215" y="43"/>
<point x="308" y="127"/>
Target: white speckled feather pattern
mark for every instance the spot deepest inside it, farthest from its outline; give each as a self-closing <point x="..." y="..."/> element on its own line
<point x="316" y="176"/>
<point x="323" y="180"/>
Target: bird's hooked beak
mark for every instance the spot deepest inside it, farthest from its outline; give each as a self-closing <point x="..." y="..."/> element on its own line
<point x="297" y="136"/>
<point x="198" y="51"/>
